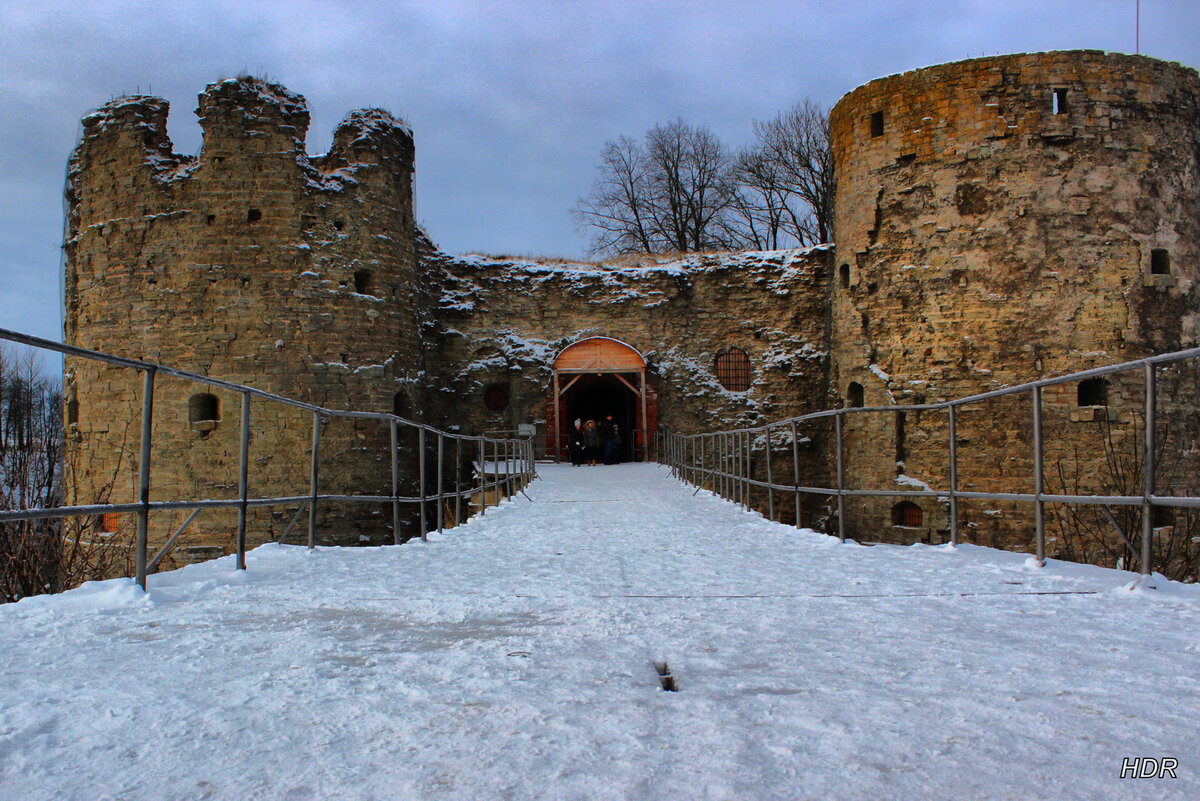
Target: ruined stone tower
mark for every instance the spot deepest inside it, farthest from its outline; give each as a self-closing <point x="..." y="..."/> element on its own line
<point x="252" y="262"/>
<point x="999" y="220"/>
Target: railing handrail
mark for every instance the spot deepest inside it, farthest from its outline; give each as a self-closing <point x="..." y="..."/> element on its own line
<point x="516" y="450"/>
<point x="730" y="451"/>
<point x="1094" y="372"/>
<point x="160" y="369"/>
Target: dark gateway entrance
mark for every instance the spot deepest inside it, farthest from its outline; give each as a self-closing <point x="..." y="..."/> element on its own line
<point x="593" y="379"/>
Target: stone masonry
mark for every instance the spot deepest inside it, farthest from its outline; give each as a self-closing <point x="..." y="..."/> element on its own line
<point x="996" y="220"/>
<point x="1000" y="220"/>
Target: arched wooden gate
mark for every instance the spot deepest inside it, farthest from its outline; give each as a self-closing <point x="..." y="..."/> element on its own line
<point x="603" y="358"/>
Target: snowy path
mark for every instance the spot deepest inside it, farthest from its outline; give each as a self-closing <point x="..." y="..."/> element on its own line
<point x="511" y="658"/>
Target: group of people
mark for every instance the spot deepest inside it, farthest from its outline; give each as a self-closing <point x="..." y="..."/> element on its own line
<point x="590" y="441"/>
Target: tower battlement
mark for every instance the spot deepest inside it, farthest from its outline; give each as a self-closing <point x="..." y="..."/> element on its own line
<point x="250" y="261"/>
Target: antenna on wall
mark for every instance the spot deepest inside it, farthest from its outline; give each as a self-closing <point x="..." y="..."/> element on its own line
<point x="1137" y="28"/>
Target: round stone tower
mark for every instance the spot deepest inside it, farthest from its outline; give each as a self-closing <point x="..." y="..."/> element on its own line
<point x="999" y="220"/>
<point x="251" y="262"/>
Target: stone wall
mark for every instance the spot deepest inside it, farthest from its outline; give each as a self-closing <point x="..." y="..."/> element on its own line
<point x="502" y="322"/>
<point x="251" y="262"/>
<point x="999" y="220"/>
<point x="996" y="220"/>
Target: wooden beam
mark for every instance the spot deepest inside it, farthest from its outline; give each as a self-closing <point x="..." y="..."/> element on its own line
<point x="554" y="430"/>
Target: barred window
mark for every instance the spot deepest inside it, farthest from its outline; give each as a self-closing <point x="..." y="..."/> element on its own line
<point x="495" y="397"/>
<point x="906" y="513"/>
<point x="733" y="370"/>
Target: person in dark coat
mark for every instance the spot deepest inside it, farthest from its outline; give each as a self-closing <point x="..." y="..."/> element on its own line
<point x="575" y="444"/>
<point x="608" y="429"/>
<point x="612" y="446"/>
<point x="591" y="442"/>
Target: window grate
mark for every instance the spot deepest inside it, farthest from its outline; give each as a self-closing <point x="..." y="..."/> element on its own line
<point x="733" y="370"/>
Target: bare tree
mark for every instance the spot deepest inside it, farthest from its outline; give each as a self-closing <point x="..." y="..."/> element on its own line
<point x="666" y="195"/>
<point x="30" y="476"/>
<point x="758" y="207"/>
<point x="47" y="555"/>
<point x="619" y="209"/>
<point x="794" y="174"/>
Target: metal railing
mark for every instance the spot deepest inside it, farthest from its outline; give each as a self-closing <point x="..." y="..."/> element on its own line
<point x="723" y="459"/>
<point x="504" y="466"/>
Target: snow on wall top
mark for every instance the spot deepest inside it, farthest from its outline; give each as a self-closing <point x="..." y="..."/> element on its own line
<point x="470" y="276"/>
<point x="370" y="124"/>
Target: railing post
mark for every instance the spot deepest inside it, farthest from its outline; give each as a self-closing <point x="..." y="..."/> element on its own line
<point x="719" y="440"/>
<point x="953" y="474"/>
<point x="796" y="470"/>
<point x="457" y="480"/>
<point x="312" y="481"/>
<point x="441" y="472"/>
<point x="508" y="482"/>
<point x="143" y="514"/>
<point x="395" y="482"/>
<point x="496" y="461"/>
<point x="1039" y="509"/>
<point x="689" y="460"/>
<point x="747" y="468"/>
<point x="841" y="476"/>
<point x="1148" y="469"/>
<point x="243" y="481"/>
<point x="421" y="471"/>
<point x="770" y="483"/>
<point x="482" y="476"/>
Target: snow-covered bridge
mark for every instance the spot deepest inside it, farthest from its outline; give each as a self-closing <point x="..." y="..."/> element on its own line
<point x="514" y="657"/>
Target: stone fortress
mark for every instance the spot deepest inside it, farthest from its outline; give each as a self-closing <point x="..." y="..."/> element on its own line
<point x="997" y="220"/>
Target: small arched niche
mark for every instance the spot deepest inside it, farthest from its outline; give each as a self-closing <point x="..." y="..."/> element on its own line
<point x="855" y="395"/>
<point x="204" y="412"/>
<point x="495" y="397"/>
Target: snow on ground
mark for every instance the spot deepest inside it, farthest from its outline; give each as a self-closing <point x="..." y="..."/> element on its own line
<point x="511" y="659"/>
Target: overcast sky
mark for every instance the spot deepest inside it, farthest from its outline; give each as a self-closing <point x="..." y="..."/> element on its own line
<point x="510" y="102"/>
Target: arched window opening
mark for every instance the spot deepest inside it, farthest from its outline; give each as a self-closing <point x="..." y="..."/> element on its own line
<point x="204" y="410"/>
<point x="495" y="397"/>
<point x="1160" y="262"/>
<point x="901" y="450"/>
<point x="362" y="282"/>
<point x="400" y="404"/>
<point x="733" y="370"/>
<point x="844" y="275"/>
<point x="253" y="215"/>
<point x="854" y="395"/>
<point x="908" y="514"/>
<point x="1093" y="392"/>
